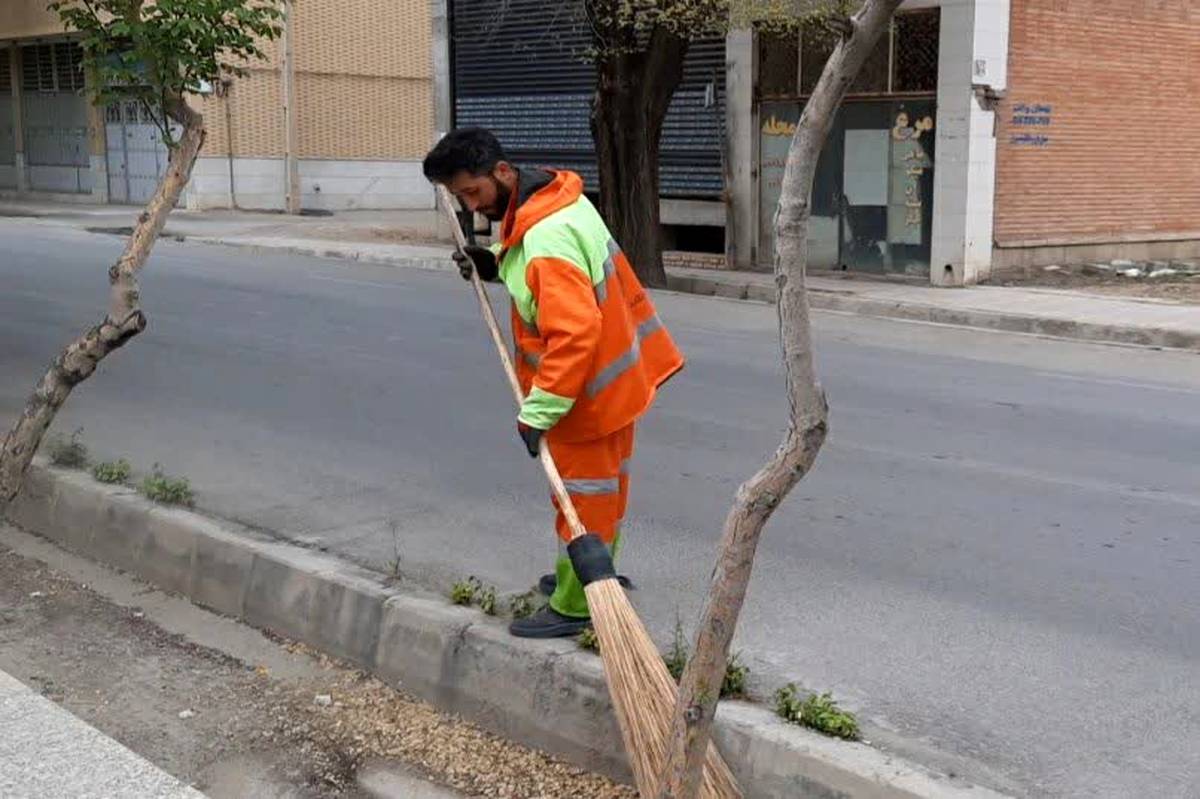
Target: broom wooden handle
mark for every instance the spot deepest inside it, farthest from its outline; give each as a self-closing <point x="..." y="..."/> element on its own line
<point x="489" y="317"/>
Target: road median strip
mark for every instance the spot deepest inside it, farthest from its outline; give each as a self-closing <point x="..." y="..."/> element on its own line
<point x="549" y="695"/>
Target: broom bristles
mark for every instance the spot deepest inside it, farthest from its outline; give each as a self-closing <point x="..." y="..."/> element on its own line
<point x="644" y="694"/>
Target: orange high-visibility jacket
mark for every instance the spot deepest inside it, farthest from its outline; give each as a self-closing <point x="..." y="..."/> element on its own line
<point x="591" y="350"/>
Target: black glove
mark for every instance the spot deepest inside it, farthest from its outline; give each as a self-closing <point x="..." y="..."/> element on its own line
<point x="531" y="436"/>
<point x="485" y="263"/>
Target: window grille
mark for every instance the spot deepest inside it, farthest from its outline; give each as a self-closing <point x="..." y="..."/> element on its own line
<point x="52" y="67"/>
<point x="916" y="55"/>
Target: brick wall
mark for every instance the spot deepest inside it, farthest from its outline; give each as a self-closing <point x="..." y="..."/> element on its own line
<point x="1099" y="136"/>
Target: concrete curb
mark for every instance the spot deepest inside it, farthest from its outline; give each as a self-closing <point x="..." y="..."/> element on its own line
<point x="916" y="312"/>
<point x="329" y="249"/>
<point x="550" y="695"/>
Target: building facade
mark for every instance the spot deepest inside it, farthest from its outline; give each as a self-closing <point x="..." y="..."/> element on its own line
<point x="1098" y="145"/>
<point x="359" y="114"/>
<point x="1017" y="156"/>
<point x="906" y="182"/>
<point x="983" y="136"/>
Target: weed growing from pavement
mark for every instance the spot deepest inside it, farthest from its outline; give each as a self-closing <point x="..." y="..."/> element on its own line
<point x="818" y="712"/>
<point x="393" y="564"/>
<point x="523" y="605"/>
<point x="464" y="592"/>
<point x="487" y="600"/>
<point x="168" y="490"/>
<point x="112" y="472"/>
<point x="587" y="639"/>
<point x="736" y="673"/>
<point x="70" y="453"/>
<point x="676" y="658"/>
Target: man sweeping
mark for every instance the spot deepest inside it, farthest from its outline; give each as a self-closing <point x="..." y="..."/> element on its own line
<point x="591" y="351"/>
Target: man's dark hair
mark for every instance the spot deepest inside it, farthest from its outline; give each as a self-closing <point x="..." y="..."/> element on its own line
<point x="474" y="150"/>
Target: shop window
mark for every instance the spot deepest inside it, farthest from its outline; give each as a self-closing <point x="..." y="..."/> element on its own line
<point x="904" y="61"/>
<point x="778" y="63"/>
<point x="916" y="56"/>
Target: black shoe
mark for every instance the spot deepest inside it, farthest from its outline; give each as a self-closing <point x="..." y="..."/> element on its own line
<point x="548" y="623"/>
<point x="549" y="582"/>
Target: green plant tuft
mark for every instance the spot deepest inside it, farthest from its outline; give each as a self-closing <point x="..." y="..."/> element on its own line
<point x="587" y="639"/>
<point x="70" y="453"/>
<point x="677" y="656"/>
<point x="487" y="600"/>
<point x="112" y="472"/>
<point x="168" y="490"/>
<point x="464" y="592"/>
<point x="818" y="712"/>
<point x="736" y="673"/>
<point x="523" y="605"/>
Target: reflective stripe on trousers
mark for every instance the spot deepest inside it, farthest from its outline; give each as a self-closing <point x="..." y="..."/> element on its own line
<point x="596" y="474"/>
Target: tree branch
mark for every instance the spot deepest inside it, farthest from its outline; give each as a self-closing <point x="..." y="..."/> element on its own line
<point x="124" y="320"/>
<point x="661" y="73"/>
<point x="758" y="498"/>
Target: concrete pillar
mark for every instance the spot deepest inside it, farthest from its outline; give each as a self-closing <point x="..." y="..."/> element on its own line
<point x="287" y="72"/>
<point x="972" y="61"/>
<point x="741" y="143"/>
<point x="443" y="112"/>
<point x="20" y="165"/>
<point x="97" y="145"/>
<point x="443" y="100"/>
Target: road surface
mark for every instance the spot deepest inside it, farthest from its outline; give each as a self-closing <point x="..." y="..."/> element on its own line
<point x="996" y="559"/>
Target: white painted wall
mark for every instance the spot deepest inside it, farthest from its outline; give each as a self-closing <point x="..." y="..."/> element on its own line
<point x="741" y="141"/>
<point x="344" y="185"/>
<point x="324" y="184"/>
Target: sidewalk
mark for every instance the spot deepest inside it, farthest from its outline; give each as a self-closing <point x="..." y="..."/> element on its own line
<point x="416" y="239"/>
<point x="46" y="752"/>
<point x="1038" y="311"/>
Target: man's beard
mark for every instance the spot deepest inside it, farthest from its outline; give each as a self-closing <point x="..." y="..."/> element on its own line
<point x="497" y="212"/>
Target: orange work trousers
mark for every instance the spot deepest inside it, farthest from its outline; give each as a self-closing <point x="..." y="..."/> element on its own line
<point x="596" y="474"/>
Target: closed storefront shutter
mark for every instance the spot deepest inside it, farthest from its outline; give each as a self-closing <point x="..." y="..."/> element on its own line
<point x="520" y="69"/>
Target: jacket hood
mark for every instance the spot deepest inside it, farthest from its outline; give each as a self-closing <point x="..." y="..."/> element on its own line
<point x="548" y="196"/>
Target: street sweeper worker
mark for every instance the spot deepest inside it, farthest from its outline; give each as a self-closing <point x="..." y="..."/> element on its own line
<point x="591" y="351"/>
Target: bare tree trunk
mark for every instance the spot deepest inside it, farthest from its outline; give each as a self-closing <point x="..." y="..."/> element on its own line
<point x="757" y="498"/>
<point x="124" y="319"/>
<point x="633" y="93"/>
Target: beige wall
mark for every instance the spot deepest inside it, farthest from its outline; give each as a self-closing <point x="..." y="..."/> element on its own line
<point x="22" y="18"/>
<point x="255" y="117"/>
<point x="364" y="86"/>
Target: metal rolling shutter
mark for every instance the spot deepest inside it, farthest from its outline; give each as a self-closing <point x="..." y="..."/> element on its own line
<point x="519" y="70"/>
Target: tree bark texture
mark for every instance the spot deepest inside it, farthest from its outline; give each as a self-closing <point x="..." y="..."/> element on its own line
<point x="123" y="321"/>
<point x="634" y="87"/>
<point x="758" y="498"/>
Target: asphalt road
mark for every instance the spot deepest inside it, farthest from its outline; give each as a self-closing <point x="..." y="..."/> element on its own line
<point x="995" y="560"/>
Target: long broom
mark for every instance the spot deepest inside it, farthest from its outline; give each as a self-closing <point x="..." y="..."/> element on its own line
<point x="642" y="689"/>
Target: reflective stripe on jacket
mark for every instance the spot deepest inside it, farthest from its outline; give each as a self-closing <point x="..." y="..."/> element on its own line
<point x="591" y="350"/>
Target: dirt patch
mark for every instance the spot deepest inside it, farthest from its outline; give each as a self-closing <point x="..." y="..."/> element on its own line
<point x="1161" y="281"/>
<point x="233" y="728"/>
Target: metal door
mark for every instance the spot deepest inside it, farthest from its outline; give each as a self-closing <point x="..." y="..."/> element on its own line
<point x="519" y="69"/>
<point x="55" y="112"/>
<point x="8" y="151"/>
<point x="137" y="156"/>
